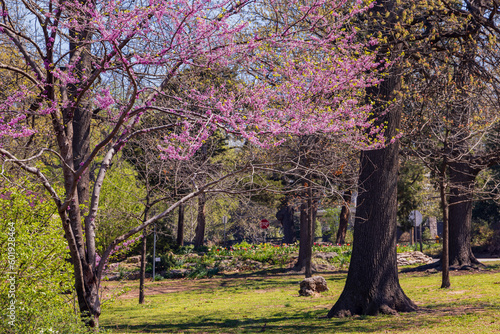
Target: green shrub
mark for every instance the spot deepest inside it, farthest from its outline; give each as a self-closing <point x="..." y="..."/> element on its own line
<point x="33" y="257"/>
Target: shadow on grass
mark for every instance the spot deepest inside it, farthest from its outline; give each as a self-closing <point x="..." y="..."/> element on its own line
<point x="305" y="322"/>
<point x="280" y="272"/>
<point x="264" y="279"/>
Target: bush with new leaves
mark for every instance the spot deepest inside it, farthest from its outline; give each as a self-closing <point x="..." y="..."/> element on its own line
<point x="36" y="290"/>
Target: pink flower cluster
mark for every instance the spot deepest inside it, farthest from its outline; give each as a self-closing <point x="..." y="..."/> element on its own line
<point x="120" y="247"/>
<point x="298" y="72"/>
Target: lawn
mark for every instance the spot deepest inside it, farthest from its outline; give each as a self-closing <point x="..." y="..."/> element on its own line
<point x="268" y="301"/>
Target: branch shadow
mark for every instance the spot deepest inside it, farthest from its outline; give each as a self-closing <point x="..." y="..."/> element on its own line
<point x="305" y="322"/>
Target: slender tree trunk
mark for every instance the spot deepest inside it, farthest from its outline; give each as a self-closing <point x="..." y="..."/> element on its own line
<point x="143" y="266"/>
<point x="345" y="215"/>
<point x="462" y="182"/>
<point x="301" y="261"/>
<point x="285" y="216"/>
<point x="372" y="284"/>
<point x="180" y="226"/>
<point x="310" y="232"/>
<point x="307" y="217"/>
<point x="200" y="227"/>
<point x="142" y="278"/>
<point x="445" y="281"/>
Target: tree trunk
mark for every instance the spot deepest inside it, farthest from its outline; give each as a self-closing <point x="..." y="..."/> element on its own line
<point x="445" y="280"/>
<point x="310" y="231"/>
<point x="200" y="227"/>
<point x="143" y="266"/>
<point x="372" y="284"/>
<point x="180" y="226"/>
<point x="84" y="262"/>
<point x="89" y="302"/>
<point x="345" y="215"/>
<point x="307" y="217"/>
<point x="462" y="182"/>
<point x="285" y="216"/>
<point x="301" y="261"/>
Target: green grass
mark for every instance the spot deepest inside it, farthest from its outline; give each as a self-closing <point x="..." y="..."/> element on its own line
<point x="253" y="303"/>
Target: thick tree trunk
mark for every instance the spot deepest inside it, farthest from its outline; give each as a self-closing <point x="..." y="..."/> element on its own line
<point x="200" y="227"/>
<point x="285" y="216"/>
<point x="345" y="215"/>
<point x="180" y="225"/>
<point x="372" y="284"/>
<point x="462" y="182"/>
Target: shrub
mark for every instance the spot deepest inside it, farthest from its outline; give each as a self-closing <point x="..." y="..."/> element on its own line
<point x="33" y="256"/>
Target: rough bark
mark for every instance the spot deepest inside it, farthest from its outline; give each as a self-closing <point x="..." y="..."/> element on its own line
<point x="180" y="226"/>
<point x="462" y="182"/>
<point x="345" y="215"/>
<point x="372" y="285"/>
<point x="285" y="216"/>
<point x="200" y="227"/>
<point x="445" y="280"/>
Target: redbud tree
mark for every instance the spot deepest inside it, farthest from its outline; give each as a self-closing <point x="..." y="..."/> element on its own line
<point x="93" y="67"/>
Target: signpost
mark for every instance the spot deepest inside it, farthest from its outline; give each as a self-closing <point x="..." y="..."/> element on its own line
<point x="264" y="224"/>
<point x="154" y="253"/>
<point x="416" y="219"/>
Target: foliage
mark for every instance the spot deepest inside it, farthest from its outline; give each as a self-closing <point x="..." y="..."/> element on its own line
<point x="277" y="254"/>
<point x="42" y="276"/>
<point x="493" y="243"/>
<point x="410" y="186"/>
<point x="166" y="262"/>
<point x="121" y="205"/>
<point x="333" y="219"/>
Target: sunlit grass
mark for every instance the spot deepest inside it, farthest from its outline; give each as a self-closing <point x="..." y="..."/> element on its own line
<point x="255" y="303"/>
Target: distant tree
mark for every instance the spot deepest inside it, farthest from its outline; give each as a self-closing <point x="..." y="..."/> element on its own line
<point x="410" y="186"/>
<point x="453" y="96"/>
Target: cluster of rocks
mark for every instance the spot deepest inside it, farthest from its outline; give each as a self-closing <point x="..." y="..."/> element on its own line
<point x="326" y="255"/>
<point x="409" y="258"/>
